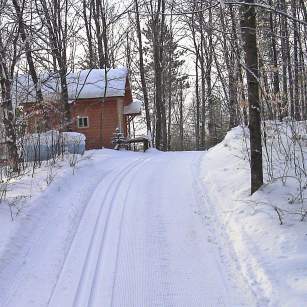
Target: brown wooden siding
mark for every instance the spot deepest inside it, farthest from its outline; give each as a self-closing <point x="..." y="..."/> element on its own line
<point x="103" y="121"/>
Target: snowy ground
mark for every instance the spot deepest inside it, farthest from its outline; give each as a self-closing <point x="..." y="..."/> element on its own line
<point x="148" y="229"/>
<point x="271" y="257"/>
<point x="126" y="230"/>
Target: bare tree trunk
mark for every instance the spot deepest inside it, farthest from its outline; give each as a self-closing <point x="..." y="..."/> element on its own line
<point x="57" y="23"/>
<point x="141" y="67"/>
<point x="231" y="67"/>
<point x="248" y="26"/>
<point x="157" y="32"/>
<point x="6" y="76"/>
<point x="104" y="34"/>
<point x="32" y="70"/>
<point x="209" y="58"/>
<point x="196" y="47"/>
<point x="169" y="122"/>
<point x="181" y="116"/>
<point x="285" y="59"/>
<point x="197" y="104"/>
<point x="28" y="51"/>
<point x="158" y="90"/>
<point x="89" y="35"/>
<point x="163" y="108"/>
<point x="8" y="121"/>
<point x="296" y="98"/>
<point x="97" y="17"/>
<point x="203" y="86"/>
<point x="276" y="81"/>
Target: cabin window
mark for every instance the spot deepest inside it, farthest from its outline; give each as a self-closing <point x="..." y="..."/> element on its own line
<point x="83" y="122"/>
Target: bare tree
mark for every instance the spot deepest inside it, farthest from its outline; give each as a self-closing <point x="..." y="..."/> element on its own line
<point x="142" y="66"/>
<point x="248" y="26"/>
<point x="9" y="56"/>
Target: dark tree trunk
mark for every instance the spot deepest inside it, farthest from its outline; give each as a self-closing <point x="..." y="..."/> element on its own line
<point x="239" y="75"/>
<point x="285" y="59"/>
<point x="197" y="98"/>
<point x="197" y="105"/>
<point x="158" y="89"/>
<point x="157" y="32"/>
<point x="296" y="101"/>
<point x="105" y="36"/>
<point x="209" y="60"/>
<point x="203" y="87"/>
<point x="248" y="26"/>
<point x="32" y="71"/>
<point x="96" y="16"/>
<point x="57" y="26"/>
<point x="28" y="51"/>
<point x="89" y="36"/>
<point x="232" y="75"/>
<point x="162" y="56"/>
<point x="181" y="116"/>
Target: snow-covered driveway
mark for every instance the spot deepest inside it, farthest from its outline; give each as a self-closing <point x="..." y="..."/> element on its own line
<point x="143" y="237"/>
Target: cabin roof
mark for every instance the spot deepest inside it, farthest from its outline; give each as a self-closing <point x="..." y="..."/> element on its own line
<point x="83" y="84"/>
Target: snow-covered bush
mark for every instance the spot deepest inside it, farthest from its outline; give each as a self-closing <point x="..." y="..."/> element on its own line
<point x="41" y="149"/>
<point x="284" y="160"/>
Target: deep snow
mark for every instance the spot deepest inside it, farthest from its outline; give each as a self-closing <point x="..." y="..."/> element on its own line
<point x="125" y="230"/>
<point x="128" y="229"/>
<point x="271" y="257"/>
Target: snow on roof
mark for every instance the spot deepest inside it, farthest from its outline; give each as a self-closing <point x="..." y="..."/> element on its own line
<point x="134" y="107"/>
<point x="89" y="83"/>
<point x="97" y="83"/>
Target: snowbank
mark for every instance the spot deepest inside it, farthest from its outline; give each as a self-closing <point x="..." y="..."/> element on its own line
<point x="272" y="257"/>
<point x="47" y="207"/>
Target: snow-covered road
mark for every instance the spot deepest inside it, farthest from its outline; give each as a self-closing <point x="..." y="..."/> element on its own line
<point x="145" y="237"/>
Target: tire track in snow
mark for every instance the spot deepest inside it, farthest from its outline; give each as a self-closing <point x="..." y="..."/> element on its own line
<point x="142" y="249"/>
<point x="84" y="220"/>
<point x="77" y="290"/>
<point x="102" y="277"/>
<point x="165" y="258"/>
<point x="37" y="240"/>
<point x="105" y="270"/>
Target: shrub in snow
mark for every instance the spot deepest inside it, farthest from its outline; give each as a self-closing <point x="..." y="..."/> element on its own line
<point x="284" y="156"/>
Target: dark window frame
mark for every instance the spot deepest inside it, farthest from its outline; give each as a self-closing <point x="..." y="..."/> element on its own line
<point x="83" y="122"/>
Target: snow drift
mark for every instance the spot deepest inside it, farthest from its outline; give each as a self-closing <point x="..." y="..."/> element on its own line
<point x="272" y="257"/>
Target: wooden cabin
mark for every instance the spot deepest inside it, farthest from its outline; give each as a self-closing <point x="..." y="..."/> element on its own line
<point x="100" y="101"/>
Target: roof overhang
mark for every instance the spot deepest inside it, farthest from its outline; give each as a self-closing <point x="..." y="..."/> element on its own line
<point x="134" y="108"/>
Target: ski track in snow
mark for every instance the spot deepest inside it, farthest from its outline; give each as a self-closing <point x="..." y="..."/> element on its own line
<point x="140" y="241"/>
